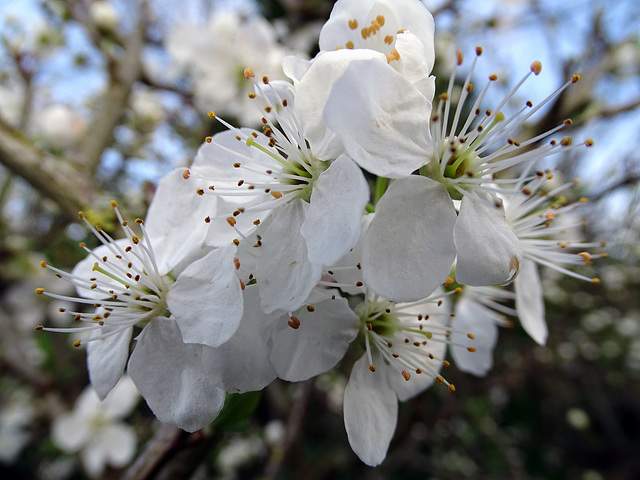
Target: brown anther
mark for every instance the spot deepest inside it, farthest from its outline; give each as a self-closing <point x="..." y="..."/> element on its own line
<point x="231" y="221"/>
<point x="236" y="242"/>
<point x="369" y="326"/>
<point x="275" y="194"/>
<point x="459" y="57"/>
<point x="294" y="322"/>
<point x="242" y="285"/>
<point x="536" y="67"/>
<point x="493" y="77"/>
<point x="471" y="349"/>
<point x="406" y="375"/>
<point x="248" y="73"/>
<point x="349" y="45"/>
<point x="418" y="371"/>
<point x="200" y="191"/>
<point x="353" y="24"/>
<point x="359" y="284"/>
<point x="285" y="102"/>
<point x="77" y="318"/>
<point x="236" y="263"/>
<point x="38" y="327"/>
<point x="588" y="142"/>
<point x="566" y="141"/>
<point x="575" y="78"/>
<point x="372" y="368"/>
<point x="444" y="97"/>
<point x="207" y="220"/>
<point x="251" y="95"/>
<point x="311" y="308"/>
<point x="358" y="266"/>
<point x="265" y="80"/>
<point x="470" y="87"/>
<point x="568" y="121"/>
<point x="135" y="240"/>
<point x="388" y="39"/>
<point x="446" y="363"/>
<point x="479" y="50"/>
<point x="439" y="379"/>
<point x="240" y="182"/>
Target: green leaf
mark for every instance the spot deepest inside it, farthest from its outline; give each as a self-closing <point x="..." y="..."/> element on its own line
<point x="238" y="407"/>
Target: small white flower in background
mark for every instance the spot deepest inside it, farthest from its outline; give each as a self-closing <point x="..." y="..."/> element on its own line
<point x="217" y="55"/>
<point x="16" y="416"/>
<point x="104" y="15"/>
<point x="61" y="125"/>
<point x="185" y="298"/>
<point x="94" y="428"/>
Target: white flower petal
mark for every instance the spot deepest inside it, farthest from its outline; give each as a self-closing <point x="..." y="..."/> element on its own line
<point x="317" y="345"/>
<point x="385" y="129"/>
<point x="414" y="66"/>
<point x="312" y="93"/>
<point x="70" y="432"/>
<point x="206" y="299"/>
<point x="489" y="251"/>
<point x="530" y="303"/>
<point x="473" y="317"/>
<point x="121" y="400"/>
<point x="94" y="457"/>
<point x="285" y="274"/>
<point x="120" y="445"/>
<point x="239" y="371"/>
<point x="106" y="359"/>
<point x="408" y="248"/>
<point x="175" y="220"/>
<point x="173" y="378"/>
<point x="370" y="413"/>
<point x="338" y="199"/>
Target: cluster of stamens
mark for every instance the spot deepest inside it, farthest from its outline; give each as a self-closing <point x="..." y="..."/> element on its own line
<point x="371" y="37"/>
<point x="126" y="290"/>
<point x="476" y="153"/>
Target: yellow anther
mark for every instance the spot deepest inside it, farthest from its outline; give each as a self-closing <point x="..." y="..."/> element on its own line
<point x="595" y="281"/>
<point x="353" y="24"/>
<point x="452" y="387"/>
<point x="211" y="114"/>
<point x="588" y="142"/>
<point x="388" y="39"/>
<point x="471" y="349"/>
<point x="39" y="291"/>
<point x="349" y="45"/>
<point x="251" y="95"/>
<point x="471" y="336"/>
<point x="439" y="379"/>
<point x="43" y="264"/>
<point x="208" y="139"/>
<point x="575" y="78"/>
<point x="566" y="141"/>
<point x="493" y="77"/>
<point x="186" y="174"/>
<point x="536" y="67"/>
<point x="479" y="50"/>
<point x="275" y="194"/>
<point x="372" y="368"/>
<point x="38" y="327"/>
<point x="448" y="282"/>
<point x="459" y="57"/>
<point x="76" y="343"/>
<point x="311" y="308"/>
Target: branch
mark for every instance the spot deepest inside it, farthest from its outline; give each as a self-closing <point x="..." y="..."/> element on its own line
<point x="51" y="177"/>
<point x="123" y="73"/>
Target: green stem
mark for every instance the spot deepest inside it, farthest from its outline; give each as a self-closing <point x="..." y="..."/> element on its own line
<point x="382" y="184"/>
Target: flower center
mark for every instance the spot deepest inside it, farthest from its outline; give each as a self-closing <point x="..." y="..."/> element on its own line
<point x="127" y="289"/>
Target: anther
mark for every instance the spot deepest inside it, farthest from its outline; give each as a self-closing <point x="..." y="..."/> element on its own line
<point x="452" y="387"/>
<point x="248" y="73"/>
<point x="236" y="263"/>
<point x="459" y="57"/>
<point x="372" y="368"/>
<point x="294" y="322"/>
<point x="575" y="78"/>
<point x="39" y="291"/>
<point x="275" y="194"/>
<point x="406" y="375"/>
<point x="311" y="308"/>
<point x="493" y="77"/>
<point x="353" y="24"/>
<point x="479" y="50"/>
<point x="536" y="67"/>
<point x="471" y="349"/>
<point x="471" y="336"/>
<point x="76" y="343"/>
<point x="231" y="221"/>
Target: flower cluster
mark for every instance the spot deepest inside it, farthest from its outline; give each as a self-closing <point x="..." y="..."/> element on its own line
<point x="359" y="217"/>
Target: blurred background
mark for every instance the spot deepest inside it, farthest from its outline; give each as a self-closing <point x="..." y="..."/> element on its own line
<point x="100" y="99"/>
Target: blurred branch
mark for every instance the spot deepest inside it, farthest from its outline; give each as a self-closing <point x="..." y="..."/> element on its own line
<point x="123" y="73"/>
<point x="50" y="176"/>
